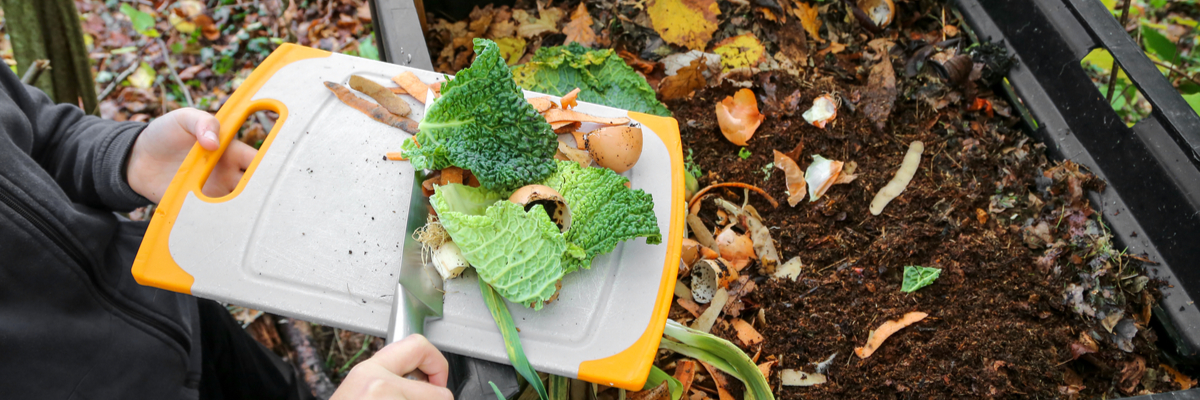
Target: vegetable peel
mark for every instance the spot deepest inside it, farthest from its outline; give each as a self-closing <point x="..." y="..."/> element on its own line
<point x="887" y="329"/>
<point x="904" y="175"/>
<point x="794" y="177"/>
<point x="821" y="175"/>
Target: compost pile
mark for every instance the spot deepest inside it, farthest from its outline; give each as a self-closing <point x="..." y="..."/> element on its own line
<point x="1016" y="289"/>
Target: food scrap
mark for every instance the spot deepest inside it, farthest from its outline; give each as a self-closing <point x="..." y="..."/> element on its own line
<point x="794" y="177"/>
<point x="824" y="110"/>
<point x="904" y="175"/>
<point x="738" y="116"/>
<point x="877" y="336"/>
<point x="376" y="112"/>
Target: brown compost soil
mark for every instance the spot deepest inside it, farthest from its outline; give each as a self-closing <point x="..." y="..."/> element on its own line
<point x="997" y="324"/>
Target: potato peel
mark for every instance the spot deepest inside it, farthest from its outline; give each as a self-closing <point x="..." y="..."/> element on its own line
<point x="382" y="95"/>
<point x="794" y="177"/>
<point x="877" y="336"/>
<point x="738" y="116"/>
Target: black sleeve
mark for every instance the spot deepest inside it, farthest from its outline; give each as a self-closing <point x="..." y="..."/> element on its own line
<point x="85" y="154"/>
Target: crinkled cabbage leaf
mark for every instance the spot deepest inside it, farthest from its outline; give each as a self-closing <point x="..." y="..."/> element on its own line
<point x="601" y="76"/>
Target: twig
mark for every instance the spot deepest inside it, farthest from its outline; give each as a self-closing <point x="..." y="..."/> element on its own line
<point x="187" y="95"/>
<point x="124" y="74"/>
<point x="1112" y="79"/>
<point x="35" y="71"/>
<point x="298" y="335"/>
<point x="1175" y="70"/>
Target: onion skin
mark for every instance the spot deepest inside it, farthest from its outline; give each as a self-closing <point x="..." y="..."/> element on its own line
<point x="738" y="116"/>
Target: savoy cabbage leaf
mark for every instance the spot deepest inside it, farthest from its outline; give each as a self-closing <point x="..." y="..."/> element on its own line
<point x="603" y="212"/>
<point x="482" y="123"/>
<point x="519" y="253"/>
<point x="601" y="76"/>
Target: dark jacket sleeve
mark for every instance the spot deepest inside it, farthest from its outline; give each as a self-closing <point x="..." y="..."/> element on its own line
<point x="85" y="154"/>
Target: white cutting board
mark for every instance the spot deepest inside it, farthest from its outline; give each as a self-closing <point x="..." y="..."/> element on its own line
<point x="316" y="230"/>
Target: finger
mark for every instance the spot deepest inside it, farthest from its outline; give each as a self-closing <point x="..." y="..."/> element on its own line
<point x="240" y="155"/>
<point x="412" y="353"/>
<point x="423" y="390"/>
<point x="202" y="125"/>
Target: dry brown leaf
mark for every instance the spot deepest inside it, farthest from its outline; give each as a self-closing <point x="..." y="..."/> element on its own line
<point x="580" y="27"/>
<point x="546" y="22"/>
<point x="1184" y="381"/>
<point x="561" y="115"/>
<point x="208" y="27"/>
<point x="793" y="43"/>
<point x="877" y="336"/>
<point x="880" y="93"/>
<point x="688" y="23"/>
<point x="687" y="80"/>
<point x="738" y="116"/>
<point x="746" y="333"/>
<point x="685" y="372"/>
<point x="660" y="392"/>
<point x="794" y="177"/>
<point x="568" y="100"/>
<point x="719" y="380"/>
<point x="1131" y="375"/>
<point x="412" y="85"/>
<point x="808" y="17"/>
<point x="637" y="63"/>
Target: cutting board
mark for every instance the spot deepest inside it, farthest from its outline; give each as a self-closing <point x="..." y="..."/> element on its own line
<point x="316" y="230"/>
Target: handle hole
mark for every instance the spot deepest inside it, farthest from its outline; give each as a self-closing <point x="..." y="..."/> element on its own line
<point x="257" y="127"/>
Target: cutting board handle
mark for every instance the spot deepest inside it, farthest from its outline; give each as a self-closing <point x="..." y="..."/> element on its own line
<point x="154" y="265"/>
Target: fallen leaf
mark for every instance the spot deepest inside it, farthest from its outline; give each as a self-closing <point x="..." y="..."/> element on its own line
<point x="981" y="215"/>
<point x="208" y="27"/>
<point x="793" y="43"/>
<point x="684" y="82"/>
<point x="794" y="177"/>
<point x="719" y="380"/>
<point x="511" y="49"/>
<point x="877" y="336"/>
<point x="580" y="27"/>
<point x="685" y="372"/>
<point x="637" y="63"/>
<point x="143" y="77"/>
<point x="190" y="72"/>
<point x="546" y="22"/>
<point x="808" y="18"/>
<point x="742" y="51"/>
<point x="738" y="116"/>
<point x="673" y="63"/>
<point x="688" y="23"/>
<point x="182" y="25"/>
<point x="1131" y="375"/>
<point x="660" y="392"/>
<point x="880" y="93"/>
<point x="1184" y="381"/>
<point x="746" y="333"/>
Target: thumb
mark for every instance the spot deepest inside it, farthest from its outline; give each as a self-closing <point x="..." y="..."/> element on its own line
<point x="202" y="125"/>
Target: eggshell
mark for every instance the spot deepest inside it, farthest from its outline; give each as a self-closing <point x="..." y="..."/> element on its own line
<point x="617" y="148"/>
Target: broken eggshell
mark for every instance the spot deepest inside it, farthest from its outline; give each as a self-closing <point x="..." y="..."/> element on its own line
<point x="821" y="174"/>
<point x="616" y="147"/>
<point x="691" y="251"/>
<point x="881" y="12"/>
<point x="708" y="276"/>
<point x="738" y="116"/>
<point x="824" y="110"/>
<point x="550" y="200"/>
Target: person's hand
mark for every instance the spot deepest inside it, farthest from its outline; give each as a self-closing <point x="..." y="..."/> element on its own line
<point x="163" y="145"/>
<point x="382" y="376"/>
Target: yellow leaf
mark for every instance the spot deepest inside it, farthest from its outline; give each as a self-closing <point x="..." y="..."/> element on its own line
<point x="580" y="27"/>
<point x="808" y="17"/>
<point x="688" y="23"/>
<point x="143" y="77"/>
<point x="181" y="24"/>
<point x="511" y="49"/>
<point x="743" y="51"/>
<point x="546" y="22"/>
<point x="684" y="82"/>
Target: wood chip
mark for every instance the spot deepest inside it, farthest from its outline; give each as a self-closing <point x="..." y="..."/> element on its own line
<point x="746" y="333"/>
<point x="375" y="111"/>
<point x="383" y="96"/>
<point x="559" y="115"/>
<point x="412" y="85"/>
<point x="877" y="336"/>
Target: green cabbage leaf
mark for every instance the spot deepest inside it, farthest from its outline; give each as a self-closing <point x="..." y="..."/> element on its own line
<point x="482" y="123"/>
<point x="601" y="76"/>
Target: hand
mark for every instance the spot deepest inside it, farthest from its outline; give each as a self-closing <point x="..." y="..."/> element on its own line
<point x="163" y="145"/>
<point x="382" y="376"/>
